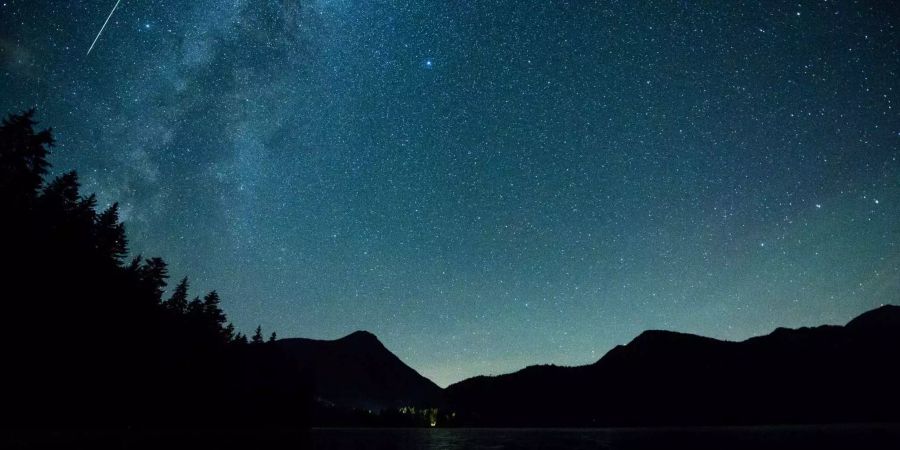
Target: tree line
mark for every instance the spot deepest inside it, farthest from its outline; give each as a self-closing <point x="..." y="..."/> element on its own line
<point x="87" y="334"/>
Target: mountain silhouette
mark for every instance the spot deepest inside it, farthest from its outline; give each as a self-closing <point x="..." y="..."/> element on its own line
<point x="821" y="374"/>
<point x="807" y="375"/>
<point x="357" y="371"/>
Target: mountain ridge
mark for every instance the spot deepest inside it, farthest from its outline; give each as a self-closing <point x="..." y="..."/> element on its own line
<point x="804" y="375"/>
<point x="358" y="371"/>
<point x="801" y="375"/>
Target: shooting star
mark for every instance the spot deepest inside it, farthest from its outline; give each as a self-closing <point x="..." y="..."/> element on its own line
<point x="104" y="26"/>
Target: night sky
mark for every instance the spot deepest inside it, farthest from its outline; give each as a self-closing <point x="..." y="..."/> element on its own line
<point x="486" y="184"/>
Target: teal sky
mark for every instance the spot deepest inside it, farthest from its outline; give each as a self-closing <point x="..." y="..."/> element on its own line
<point x="486" y="184"/>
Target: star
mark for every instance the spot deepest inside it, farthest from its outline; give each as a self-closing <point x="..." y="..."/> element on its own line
<point x="306" y="161"/>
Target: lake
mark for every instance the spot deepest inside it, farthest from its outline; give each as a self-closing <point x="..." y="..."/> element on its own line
<point x="854" y="437"/>
<point x="794" y="437"/>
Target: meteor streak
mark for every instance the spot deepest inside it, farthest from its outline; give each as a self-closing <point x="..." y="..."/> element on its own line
<point x="103" y="27"/>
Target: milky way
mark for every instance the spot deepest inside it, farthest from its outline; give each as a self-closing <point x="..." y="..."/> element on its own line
<point x="486" y="184"/>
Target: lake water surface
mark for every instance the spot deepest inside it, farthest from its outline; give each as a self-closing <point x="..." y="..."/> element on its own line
<point x="851" y="437"/>
<point x="802" y="437"/>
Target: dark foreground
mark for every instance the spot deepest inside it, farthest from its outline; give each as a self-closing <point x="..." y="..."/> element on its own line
<point x="834" y="437"/>
<point x="876" y="436"/>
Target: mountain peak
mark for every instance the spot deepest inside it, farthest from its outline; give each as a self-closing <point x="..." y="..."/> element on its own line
<point x="886" y="316"/>
<point x="668" y="378"/>
<point x="360" y="336"/>
<point x="358" y="371"/>
<point x="651" y="335"/>
<point x="665" y="337"/>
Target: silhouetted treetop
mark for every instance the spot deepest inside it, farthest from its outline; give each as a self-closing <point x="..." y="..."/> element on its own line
<point x="257" y="336"/>
<point x="154" y="272"/>
<point x="124" y="350"/>
<point x="110" y="234"/>
<point x="179" y="300"/>
<point x="212" y="310"/>
<point x="23" y="158"/>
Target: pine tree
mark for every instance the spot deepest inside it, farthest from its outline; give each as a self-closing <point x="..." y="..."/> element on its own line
<point x="178" y="302"/>
<point x="211" y="309"/>
<point x="61" y="195"/>
<point x="229" y="333"/>
<point x="23" y="159"/>
<point x="272" y="337"/>
<point x="257" y="336"/>
<point x="110" y="240"/>
<point x="153" y="275"/>
<point x="65" y="268"/>
<point x="195" y="309"/>
<point x="214" y="318"/>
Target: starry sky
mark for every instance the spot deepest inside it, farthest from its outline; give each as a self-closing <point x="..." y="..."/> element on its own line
<point x="486" y="184"/>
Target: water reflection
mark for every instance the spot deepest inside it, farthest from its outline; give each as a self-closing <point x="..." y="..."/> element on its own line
<point x="833" y="437"/>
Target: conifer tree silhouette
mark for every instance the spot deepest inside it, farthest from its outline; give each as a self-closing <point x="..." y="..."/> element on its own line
<point x="111" y="242"/>
<point x="106" y="338"/>
<point x="178" y="302"/>
<point x="257" y="336"/>
<point x="23" y="159"/>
